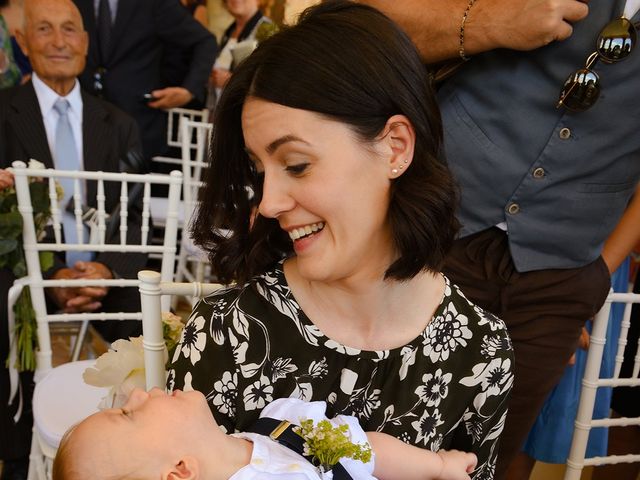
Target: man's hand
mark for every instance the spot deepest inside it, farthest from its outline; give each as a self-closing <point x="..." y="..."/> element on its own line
<point x="434" y="25"/>
<point x="523" y="25"/>
<point x="80" y="299"/>
<point x="6" y="179"/>
<point x="170" y="97"/>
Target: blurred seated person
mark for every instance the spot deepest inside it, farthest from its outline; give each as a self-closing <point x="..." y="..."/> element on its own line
<point x="13" y="13"/>
<point x="52" y="120"/>
<point x="9" y="72"/>
<point x="247" y="19"/>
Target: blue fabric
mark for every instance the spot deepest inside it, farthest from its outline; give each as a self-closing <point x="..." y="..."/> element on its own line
<point x="550" y="438"/>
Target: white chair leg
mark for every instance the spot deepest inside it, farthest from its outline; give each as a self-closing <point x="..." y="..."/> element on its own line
<point x="36" y="460"/>
<point x="80" y="339"/>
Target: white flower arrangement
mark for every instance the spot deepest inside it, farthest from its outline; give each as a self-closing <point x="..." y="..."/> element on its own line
<point x="122" y="367"/>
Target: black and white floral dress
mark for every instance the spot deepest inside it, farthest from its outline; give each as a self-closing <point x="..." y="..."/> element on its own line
<point x="246" y="346"/>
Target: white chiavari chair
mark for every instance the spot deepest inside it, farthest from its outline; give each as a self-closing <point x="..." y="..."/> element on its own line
<point x="590" y="383"/>
<point x="152" y="290"/>
<point x="74" y="400"/>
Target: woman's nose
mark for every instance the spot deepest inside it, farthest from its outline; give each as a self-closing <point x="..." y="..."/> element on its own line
<point x="276" y="198"/>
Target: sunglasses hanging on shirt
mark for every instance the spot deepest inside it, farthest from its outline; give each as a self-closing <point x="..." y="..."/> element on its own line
<point x="615" y="42"/>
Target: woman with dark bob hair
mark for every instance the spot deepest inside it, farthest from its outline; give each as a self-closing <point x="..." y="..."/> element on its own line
<point x="327" y="203"/>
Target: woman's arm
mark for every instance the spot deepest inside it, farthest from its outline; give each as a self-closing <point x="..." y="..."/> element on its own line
<point x="395" y="459"/>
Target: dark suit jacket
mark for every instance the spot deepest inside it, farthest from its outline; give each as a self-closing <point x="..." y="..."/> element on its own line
<point x="142" y="31"/>
<point x="109" y="135"/>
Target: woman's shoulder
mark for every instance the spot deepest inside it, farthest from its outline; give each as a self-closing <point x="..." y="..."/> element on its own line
<point x="477" y="318"/>
<point x="268" y="286"/>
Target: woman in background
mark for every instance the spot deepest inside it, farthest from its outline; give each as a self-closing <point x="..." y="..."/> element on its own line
<point x="247" y="20"/>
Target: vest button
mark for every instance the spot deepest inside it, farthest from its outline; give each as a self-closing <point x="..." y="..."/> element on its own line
<point x="538" y="172"/>
<point x="565" y="133"/>
<point x="513" y="208"/>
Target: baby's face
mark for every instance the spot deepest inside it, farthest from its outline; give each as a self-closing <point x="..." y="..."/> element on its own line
<point x="151" y="424"/>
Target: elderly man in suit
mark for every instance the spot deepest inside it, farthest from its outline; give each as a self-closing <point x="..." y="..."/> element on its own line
<point x="52" y="120"/>
<point x="129" y="41"/>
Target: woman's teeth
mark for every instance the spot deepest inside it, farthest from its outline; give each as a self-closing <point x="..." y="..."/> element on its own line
<point x="298" y="233"/>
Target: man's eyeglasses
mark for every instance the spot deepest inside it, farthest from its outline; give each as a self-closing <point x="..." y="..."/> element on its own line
<point x="582" y="89"/>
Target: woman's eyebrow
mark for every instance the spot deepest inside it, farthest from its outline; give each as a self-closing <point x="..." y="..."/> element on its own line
<point x="277" y="143"/>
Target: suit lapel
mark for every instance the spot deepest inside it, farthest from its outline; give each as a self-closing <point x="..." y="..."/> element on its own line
<point x="97" y="137"/>
<point x="28" y="126"/>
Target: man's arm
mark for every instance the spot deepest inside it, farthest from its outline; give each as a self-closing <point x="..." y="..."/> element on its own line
<point x="177" y="27"/>
<point x="395" y="459"/>
<point x="434" y="25"/>
<point x="625" y="236"/>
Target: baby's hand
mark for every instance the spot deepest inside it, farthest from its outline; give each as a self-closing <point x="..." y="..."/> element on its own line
<point x="456" y="465"/>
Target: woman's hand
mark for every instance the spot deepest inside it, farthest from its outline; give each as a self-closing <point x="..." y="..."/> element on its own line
<point x="219" y="77"/>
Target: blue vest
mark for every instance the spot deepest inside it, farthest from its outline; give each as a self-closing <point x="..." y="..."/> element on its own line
<point x="560" y="180"/>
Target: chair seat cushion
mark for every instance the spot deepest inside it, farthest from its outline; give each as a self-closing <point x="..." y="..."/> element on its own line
<point x="62" y="399"/>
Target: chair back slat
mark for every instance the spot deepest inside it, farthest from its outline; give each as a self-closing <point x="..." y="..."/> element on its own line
<point x="146" y="213"/>
<point x="55" y="211"/>
<point x="102" y="224"/>
<point x="124" y="212"/>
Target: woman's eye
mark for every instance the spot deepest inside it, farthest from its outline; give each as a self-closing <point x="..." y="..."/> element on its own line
<point x="297" y="169"/>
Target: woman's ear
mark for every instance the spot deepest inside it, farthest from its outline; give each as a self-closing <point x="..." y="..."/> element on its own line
<point x="185" y="469"/>
<point x="399" y="140"/>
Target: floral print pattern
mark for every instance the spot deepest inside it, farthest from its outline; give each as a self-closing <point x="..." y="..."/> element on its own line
<point x="245" y="346"/>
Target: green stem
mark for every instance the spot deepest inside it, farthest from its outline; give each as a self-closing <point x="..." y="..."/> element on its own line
<point x="25" y="332"/>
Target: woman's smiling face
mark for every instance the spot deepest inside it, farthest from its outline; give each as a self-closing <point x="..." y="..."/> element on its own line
<point x="326" y="188"/>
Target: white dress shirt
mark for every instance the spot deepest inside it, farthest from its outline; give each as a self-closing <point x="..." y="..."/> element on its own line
<point x="271" y="460"/>
<point x="47" y="98"/>
<point x="113" y="6"/>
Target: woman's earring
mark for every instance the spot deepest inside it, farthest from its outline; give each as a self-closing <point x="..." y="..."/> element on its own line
<point x="394" y="171"/>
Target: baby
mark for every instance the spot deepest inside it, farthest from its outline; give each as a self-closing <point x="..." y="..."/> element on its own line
<point x="175" y="437"/>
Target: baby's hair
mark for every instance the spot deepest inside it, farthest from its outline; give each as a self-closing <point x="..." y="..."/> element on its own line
<point x="64" y="465"/>
<point x="68" y="465"/>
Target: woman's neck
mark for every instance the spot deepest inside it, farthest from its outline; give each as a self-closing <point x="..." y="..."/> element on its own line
<point x="368" y="313"/>
<point x="241" y="22"/>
